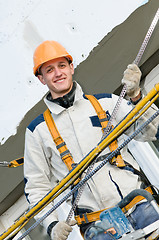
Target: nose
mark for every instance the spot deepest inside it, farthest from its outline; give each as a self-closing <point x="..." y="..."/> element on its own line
<point x="58" y="72"/>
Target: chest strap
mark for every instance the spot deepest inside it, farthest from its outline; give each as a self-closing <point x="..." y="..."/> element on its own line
<point x="118" y="161"/>
<point x="60" y="144"/>
<point x="95" y="216"/>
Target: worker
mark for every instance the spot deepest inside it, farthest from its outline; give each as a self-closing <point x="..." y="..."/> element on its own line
<point x="77" y="122"/>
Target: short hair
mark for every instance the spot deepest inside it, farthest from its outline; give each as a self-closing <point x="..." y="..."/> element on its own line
<point x="38" y="72"/>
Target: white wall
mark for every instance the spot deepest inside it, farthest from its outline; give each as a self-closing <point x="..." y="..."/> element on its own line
<point x="78" y="25"/>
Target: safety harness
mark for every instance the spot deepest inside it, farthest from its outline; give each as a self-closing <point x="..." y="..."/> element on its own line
<point x="61" y="145"/>
<point x="68" y="159"/>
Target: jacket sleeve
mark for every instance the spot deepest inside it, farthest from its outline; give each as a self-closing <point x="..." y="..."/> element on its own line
<point x="37" y="174"/>
<point x="150" y="132"/>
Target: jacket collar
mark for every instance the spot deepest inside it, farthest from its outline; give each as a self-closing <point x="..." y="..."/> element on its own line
<point x="67" y="100"/>
<point x="56" y="108"/>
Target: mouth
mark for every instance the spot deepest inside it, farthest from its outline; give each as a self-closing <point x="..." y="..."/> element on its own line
<point x="59" y="80"/>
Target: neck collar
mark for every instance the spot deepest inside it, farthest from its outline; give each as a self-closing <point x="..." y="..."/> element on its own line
<point x="67" y="100"/>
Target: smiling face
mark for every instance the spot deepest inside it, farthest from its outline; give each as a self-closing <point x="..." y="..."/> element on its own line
<point x="57" y="75"/>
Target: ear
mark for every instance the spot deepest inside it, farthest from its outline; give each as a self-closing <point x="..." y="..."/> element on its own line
<point x="72" y="68"/>
<point x="40" y="77"/>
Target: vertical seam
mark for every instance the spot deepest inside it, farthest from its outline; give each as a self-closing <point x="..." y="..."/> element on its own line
<point x="116" y="185"/>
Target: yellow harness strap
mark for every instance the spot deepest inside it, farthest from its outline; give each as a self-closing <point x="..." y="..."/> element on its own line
<point x="60" y="144"/>
<point x="104" y="121"/>
<point x="95" y="216"/>
<point x="16" y="163"/>
<point x="99" y="110"/>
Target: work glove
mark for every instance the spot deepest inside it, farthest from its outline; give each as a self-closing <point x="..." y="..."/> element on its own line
<point x="62" y="230"/>
<point x="131" y="79"/>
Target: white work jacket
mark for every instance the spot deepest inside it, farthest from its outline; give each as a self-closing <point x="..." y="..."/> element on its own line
<point x="80" y="128"/>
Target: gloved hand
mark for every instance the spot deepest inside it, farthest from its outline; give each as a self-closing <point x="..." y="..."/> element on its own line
<point x="131" y="78"/>
<point x="62" y="230"/>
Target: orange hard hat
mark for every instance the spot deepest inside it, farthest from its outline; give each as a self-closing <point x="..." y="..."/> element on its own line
<point x="47" y="51"/>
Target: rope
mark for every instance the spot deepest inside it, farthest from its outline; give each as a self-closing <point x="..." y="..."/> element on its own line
<point x="136" y="61"/>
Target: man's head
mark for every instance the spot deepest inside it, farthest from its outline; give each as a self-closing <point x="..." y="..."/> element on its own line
<point x="53" y="66"/>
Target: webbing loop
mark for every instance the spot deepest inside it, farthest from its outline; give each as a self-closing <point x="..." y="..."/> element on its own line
<point x="61" y="145"/>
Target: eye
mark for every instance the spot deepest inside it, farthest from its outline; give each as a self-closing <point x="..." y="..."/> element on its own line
<point x="49" y="70"/>
<point x="62" y="65"/>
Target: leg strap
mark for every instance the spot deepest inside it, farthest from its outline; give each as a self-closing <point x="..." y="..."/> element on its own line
<point x="95" y="216"/>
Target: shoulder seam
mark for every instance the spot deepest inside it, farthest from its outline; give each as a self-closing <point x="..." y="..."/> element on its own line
<point x="100" y="95"/>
